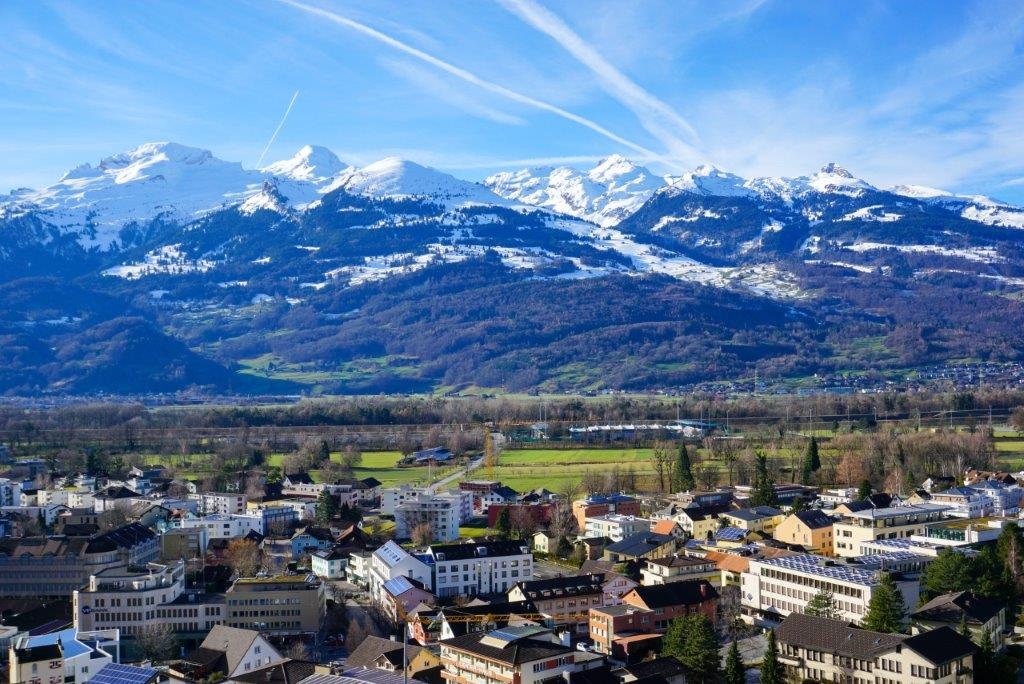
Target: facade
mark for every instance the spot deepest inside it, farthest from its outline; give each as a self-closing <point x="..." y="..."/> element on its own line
<point x="678" y="569"/>
<point x="285" y="604"/>
<point x="182" y="544"/>
<point x="507" y="656"/>
<point x="54" y="567"/>
<point x="963" y="608"/>
<point x="68" y="656"/>
<point x="224" y="503"/>
<point x="225" y="525"/>
<point x="823" y="650"/>
<point x="608" y="624"/>
<point x="756" y="519"/>
<point x="329" y="564"/>
<point x="641" y="546"/>
<point x="778" y="587"/>
<point x="669" y="601"/>
<point x="132" y="599"/>
<point x="232" y="652"/>
<point x="567" y="599"/>
<point x="478" y="567"/>
<point x="615" y="526"/>
<point x="810" y="529"/>
<point x="444" y="513"/>
<point x="882" y="523"/>
<point x="390" y="561"/>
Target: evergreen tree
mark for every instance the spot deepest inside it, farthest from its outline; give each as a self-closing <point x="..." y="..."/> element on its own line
<point x="864" y="491"/>
<point x="326" y="507"/>
<point x="771" y="668"/>
<point x="799" y="504"/>
<point x="985" y="659"/>
<point x="684" y="470"/>
<point x="700" y="649"/>
<point x="823" y="605"/>
<point x="964" y="629"/>
<point x="734" y="670"/>
<point x="503" y="525"/>
<point x="950" y="571"/>
<point x="885" y="610"/>
<point x="812" y="461"/>
<point x="763" y="492"/>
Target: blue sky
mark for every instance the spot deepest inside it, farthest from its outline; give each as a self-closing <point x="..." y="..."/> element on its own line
<point x="913" y="92"/>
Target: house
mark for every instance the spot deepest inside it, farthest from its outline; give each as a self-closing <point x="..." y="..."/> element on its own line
<point x="615" y="526"/>
<point x="609" y="624"/>
<point x="229" y="651"/>
<point x="386" y="654"/>
<point x="938" y="483"/>
<point x="755" y="519"/>
<point x="602" y="504"/>
<point x="669" y="601"/>
<point x="311" y="539"/>
<point x="402" y="594"/>
<point x="329" y="563"/>
<point x="390" y="561"/>
<point x="544" y="542"/>
<point x="980" y="614"/>
<point x="615" y="584"/>
<point x="524" y="655"/>
<point x="566" y="599"/>
<point x="593" y="547"/>
<point x="810" y="529"/>
<point x="700" y="522"/>
<point x="668" y="526"/>
<point x="678" y="569"/>
<point x="299" y="484"/>
<point x="67" y="656"/>
<point x="819" y="649"/>
<point x="641" y="546"/>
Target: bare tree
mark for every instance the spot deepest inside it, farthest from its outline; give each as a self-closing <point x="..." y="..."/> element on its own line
<point x="243" y="556"/>
<point x="297" y="650"/>
<point x="422" y="534"/>
<point x="157" y="642"/>
<point x="707" y="476"/>
<point x="113" y="517"/>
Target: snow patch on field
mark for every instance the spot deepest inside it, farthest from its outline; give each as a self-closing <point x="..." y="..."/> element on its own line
<point x="980" y="254"/>
<point x="872" y="213"/>
<point x="166" y="259"/>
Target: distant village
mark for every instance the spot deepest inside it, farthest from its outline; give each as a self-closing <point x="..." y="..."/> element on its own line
<point x="150" y="578"/>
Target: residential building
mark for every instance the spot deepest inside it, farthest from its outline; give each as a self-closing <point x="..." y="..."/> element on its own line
<point x="755" y="519"/>
<point x="10" y="492"/>
<point x="283" y="604"/>
<point x="544" y="542"/>
<point x="54" y="567"/>
<point x="700" y="522"/>
<point x="823" y="650"/>
<point x="678" y="569"/>
<point x="488" y="493"/>
<point x="608" y="624"/>
<point x="402" y="595"/>
<point x="224" y="503"/>
<point x="641" y="546"/>
<point x="810" y="529"/>
<point x="299" y="484"/>
<point x="834" y="497"/>
<point x="444" y="513"/>
<point x="513" y="655"/>
<point x="392" y="497"/>
<point x="785" y="494"/>
<point x="132" y="598"/>
<point x="478" y="567"/>
<point x="959" y="532"/>
<point x="68" y="656"/>
<point x="312" y="538"/>
<point x="330" y="563"/>
<point x="669" y="601"/>
<point x="870" y="524"/>
<point x="566" y="599"/>
<point x="776" y="587"/>
<point x="183" y="544"/>
<point x="227" y="653"/>
<point x="225" y="525"/>
<point x="615" y="526"/>
<point x="981" y="615"/>
<point x="1005" y="498"/>
<point x="603" y="504"/>
<point x="965" y="502"/>
<point x="387" y="654"/>
<point x="275" y="516"/>
<point x="390" y="561"/>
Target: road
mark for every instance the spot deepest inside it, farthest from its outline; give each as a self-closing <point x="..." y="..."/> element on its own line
<point x="461" y="472"/>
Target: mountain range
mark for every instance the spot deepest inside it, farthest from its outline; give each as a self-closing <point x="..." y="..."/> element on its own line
<point x="164" y="268"/>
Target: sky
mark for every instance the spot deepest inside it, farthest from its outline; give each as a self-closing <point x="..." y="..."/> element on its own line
<point x="922" y="92"/>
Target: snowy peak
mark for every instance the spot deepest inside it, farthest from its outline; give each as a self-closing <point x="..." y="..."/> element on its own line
<point x="835" y="169"/>
<point x="604" y="194"/>
<point x="395" y="177"/>
<point x="709" y="180"/>
<point x="834" y="179"/>
<point x="311" y="163"/>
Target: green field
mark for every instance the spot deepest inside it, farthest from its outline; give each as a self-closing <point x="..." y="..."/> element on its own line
<point x="526" y="469"/>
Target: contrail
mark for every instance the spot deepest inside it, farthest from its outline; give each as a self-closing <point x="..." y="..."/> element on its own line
<point x="470" y="77"/>
<point x="657" y="117"/>
<point x="278" y="129"/>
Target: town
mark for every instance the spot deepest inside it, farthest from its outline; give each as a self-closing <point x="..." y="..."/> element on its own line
<point x="313" y="571"/>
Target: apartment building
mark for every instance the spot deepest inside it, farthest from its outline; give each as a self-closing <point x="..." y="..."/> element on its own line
<point x="810" y="529"/>
<point x="823" y="650"/>
<point x="443" y="512"/>
<point x="388" y="562"/>
<point x="882" y="523"/>
<point x="68" y="656"/>
<point x="225" y="525"/>
<point x="54" y="567"/>
<point x="132" y="598"/>
<point x="224" y="503"/>
<point x="776" y="587"/>
<point x="478" y="567"/>
<point x="615" y="526"/>
<point x="513" y="655"/>
<point x="183" y="544"/>
<point x="603" y="504"/>
<point x="567" y="599"/>
<point x="678" y="569"/>
<point x="669" y="601"/>
<point x="755" y="519"/>
<point x="284" y="604"/>
<point x="608" y="624"/>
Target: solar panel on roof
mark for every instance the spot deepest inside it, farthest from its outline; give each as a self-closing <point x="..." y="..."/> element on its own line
<point x="116" y="673"/>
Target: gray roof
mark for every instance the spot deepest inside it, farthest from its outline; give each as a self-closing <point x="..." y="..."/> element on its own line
<point x="231" y="641"/>
<point x="373" y="647"/>
<point x="835" y="636"/>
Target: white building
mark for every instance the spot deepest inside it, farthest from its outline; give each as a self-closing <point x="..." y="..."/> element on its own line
<point x="226" y="503"/>
<point x="390" y="561"/>
<point x="220" y="526"/>
<point x="132" y="599"/>
<point x="10" y="492"/>
<point x="69" y="656"/>
<point x="444" y="512"/>
<point x="779" y="586"/>
<point x="329" y="564"/>
<point x="882" y="523"/>
<point x="392" y="497"/>
<point x="478" y="567"/>
<point x="615" y="526"/>
<point x="965" y="502"/>
<point x="833" y="497"/>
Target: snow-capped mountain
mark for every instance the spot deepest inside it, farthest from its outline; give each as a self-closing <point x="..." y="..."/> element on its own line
<point x="400" y="178"/>
<point x="312" y="163"/>
<point x="604" y="194"/>
<point x="973" y="207"/>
